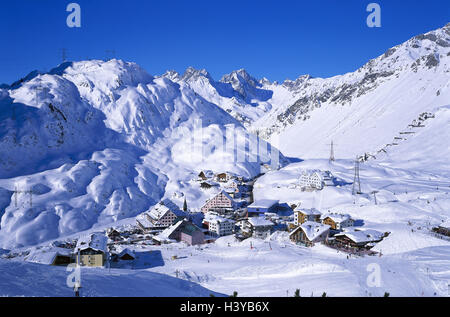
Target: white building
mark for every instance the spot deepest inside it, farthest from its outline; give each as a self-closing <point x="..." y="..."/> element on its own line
<point x="217" y="225"/>
<point x="257" y="227"/>
<point x="338" y="221"/>
<point x="316" y="179"/>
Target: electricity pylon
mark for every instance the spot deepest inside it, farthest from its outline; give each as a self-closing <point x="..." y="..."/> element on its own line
<point x="356" y="180"/>
<point x="332" y="158"/>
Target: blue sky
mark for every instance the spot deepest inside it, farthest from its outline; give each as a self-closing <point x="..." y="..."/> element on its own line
<point x="277" y="39"/>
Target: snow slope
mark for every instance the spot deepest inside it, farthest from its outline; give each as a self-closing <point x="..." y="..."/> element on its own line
<point x="43" y="281"/>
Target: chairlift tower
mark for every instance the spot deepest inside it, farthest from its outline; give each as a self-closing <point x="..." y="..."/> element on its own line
<point x="374" y="193"/>
<point x="356" y="180"/>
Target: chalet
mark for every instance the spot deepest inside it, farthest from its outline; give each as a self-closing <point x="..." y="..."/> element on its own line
<point x="218" y="226"/>
<point x="310" y="233"/>
<point x="443" y="228"/>
<point x="257" y="227"/>
<point x="182" y="231"/>
<point x="338" y="221"/>
<point x="262" y="206"/>
<point x="205" y="175"/>
<point x="126" y="255"/>
<point x="316" y="179"/>
<point x="221" y="203"/>
<point x="113" y="234"/>
<point x="224" y="177"/>
<point x="161" y="216"/>
<point x="54" y="256"/>
<point x="357" y="239"/>
<point x="91" y="250"/>
<point x="205" y="185"/>
<point x="302" y="215"/>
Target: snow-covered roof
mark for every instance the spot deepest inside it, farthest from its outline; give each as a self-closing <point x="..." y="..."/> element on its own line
<point x="127" y="251"/>
<point x="167" y="232"/>
<point x="323" y="175"/>
<point x="163" y="207"/>
<point x="226" y="195"/>
<point x="212" y="218"/>
<point x="264" y="203"/>
<point x="144" y="221"/>
<point x="312" y="229"/>
<point x="308" y="212"/>
<point x="94" y="241"/>
<point x="260" y="222"/>
<point x="46" y="256"/>
<point x="338" y="218"/>
<point x="207" y="173"/>
<point x="361" y="236"/>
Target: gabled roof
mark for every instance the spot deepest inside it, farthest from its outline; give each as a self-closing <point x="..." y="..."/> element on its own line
<point x="207" y="173"/>
<point x="312" y="230"/>
<point x="189" y="228"/>
<point x="169" y="231"/>
<point x="225" y="194"/>
<point x="127" y="251"/>
<point x="308" y="212"/>
<point x="212" y="218"/>
<point x="144" y="221"/>
<point x="46" y="256"/>
<point x="163" y="207"/>
<point x="337" y="218"/>
<point x="94" y="241"/>
<point x="264" y="203"/>
<point x="362" y="236"/>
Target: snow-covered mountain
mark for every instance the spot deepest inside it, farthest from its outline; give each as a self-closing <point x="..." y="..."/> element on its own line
<point x="238" y="93"/>
<point x="303" y="116"/>
<point x="365" y="110"/>
<point x="98" y="141"/>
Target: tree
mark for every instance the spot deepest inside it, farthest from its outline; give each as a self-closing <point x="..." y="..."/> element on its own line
<point x="185" y="205"/>
<point x="324" y="294"/>
<point x="297" y="293"/>
<point x="235" y="294"/>
<point x="386" y="294"/>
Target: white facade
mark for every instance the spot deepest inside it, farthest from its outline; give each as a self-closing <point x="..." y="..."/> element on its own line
<point x="219" y="226"/>
<point x="316" y="179"/>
